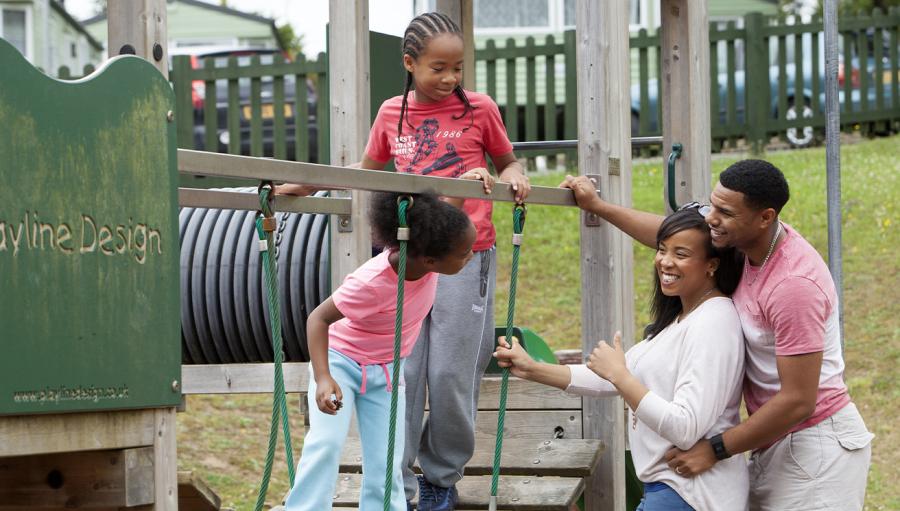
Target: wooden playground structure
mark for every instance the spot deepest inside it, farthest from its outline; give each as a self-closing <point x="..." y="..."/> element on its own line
<point x="121" y="454"/>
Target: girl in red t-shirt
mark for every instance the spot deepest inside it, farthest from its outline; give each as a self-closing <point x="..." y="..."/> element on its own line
<point x="439" y="129"/>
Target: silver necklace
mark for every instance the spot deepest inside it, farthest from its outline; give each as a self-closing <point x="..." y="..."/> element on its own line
<point x="699" y="301"/>
<point x="768" y="255"/>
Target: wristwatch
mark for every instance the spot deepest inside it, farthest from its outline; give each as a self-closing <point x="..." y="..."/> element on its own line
<point x="719" y="447"/>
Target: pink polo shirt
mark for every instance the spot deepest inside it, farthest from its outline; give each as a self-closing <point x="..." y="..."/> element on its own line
<point x="368" y="300"/>
<point x="435" y="142"/>
<point x="791" y="308"/>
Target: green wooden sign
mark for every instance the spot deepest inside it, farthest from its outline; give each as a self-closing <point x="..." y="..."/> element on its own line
<point x="89" y="269"/>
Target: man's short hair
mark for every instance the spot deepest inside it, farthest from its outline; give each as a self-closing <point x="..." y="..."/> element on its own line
<point x="762" y="184"/>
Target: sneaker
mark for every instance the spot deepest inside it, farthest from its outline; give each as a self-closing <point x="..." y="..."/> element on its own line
<point x="436" y="498"/>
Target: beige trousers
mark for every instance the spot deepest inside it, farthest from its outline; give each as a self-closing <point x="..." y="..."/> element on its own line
<point x="823" y="467"/>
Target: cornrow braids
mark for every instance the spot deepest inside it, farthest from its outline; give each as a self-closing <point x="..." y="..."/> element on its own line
<point x="421" y="30"/>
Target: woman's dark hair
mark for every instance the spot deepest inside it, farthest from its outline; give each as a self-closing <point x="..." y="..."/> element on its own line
<point x="434" y="225"/>
<point x="664" y="309"/>
<point x="421" y="30"/>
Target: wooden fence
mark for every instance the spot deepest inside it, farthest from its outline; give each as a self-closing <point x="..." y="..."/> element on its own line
<point x="767" y="79"/>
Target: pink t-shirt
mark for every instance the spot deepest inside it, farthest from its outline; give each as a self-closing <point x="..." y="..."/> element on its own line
<point x="433" y="143"/>
<point x="791" y="308"/>
<point x="368" y="300"/>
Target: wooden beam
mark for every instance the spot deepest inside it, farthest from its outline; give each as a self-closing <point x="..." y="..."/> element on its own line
<point x="86" y="480"/>
<point x="58" y="433"/>
<point x="195" y="495"/>
<point x="684" y="49"/>
<point x="460" y="11"/>
<point x="604" y="150"/>
<point x="520" y="493"/>
<point x="138" y="27"/>
<point x="258" y="378"/>
<point x="165" y="468"/>
<point x="566" y="457"/>
<point x="348" y="68"/>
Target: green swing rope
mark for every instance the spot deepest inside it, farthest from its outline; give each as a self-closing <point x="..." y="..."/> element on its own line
<point x="403" y="203"/>
<point x="518" y="226"/>
<point x="265" y="225"/>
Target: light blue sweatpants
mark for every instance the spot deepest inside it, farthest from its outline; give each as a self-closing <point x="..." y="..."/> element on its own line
<point x="317" y="471"/>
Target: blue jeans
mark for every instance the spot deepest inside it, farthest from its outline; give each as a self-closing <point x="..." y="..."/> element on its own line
<point x="318" y="468"/>
<point x="661" y="497"/>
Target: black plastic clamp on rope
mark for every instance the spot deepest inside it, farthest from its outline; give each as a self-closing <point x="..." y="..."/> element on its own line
<point x="517" y="237"/>
<point x="266" y="192"/>
<point x="403" y="230"/>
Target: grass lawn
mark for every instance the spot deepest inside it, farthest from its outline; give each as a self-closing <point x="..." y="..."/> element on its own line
<point x="224" y="438"/>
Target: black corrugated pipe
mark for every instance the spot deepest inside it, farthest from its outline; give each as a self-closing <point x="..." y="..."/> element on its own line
<point x="224" y="311"/>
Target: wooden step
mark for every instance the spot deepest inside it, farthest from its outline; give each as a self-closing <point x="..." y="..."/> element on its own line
<point x="516" y="493"/>
<point x="565" y="457"/>
<point x="195" y="495"/>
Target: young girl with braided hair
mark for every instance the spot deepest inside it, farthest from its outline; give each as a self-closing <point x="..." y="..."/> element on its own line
<point x="351" y="345"/>
<point x="437" y="128"/>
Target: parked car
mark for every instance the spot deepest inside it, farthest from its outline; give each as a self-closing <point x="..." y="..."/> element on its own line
<point x="200" y="55"/>
<point x="799" y="102"/>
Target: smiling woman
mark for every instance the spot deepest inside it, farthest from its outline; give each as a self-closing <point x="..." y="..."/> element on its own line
<point x="683" y="382"/>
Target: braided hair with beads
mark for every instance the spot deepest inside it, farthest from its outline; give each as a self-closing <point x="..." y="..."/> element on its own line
<point x="419" y="32"/>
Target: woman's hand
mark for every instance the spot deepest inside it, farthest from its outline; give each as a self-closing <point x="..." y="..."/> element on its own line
<point x="480" y="174"/>
<point x="585" y="191"/>
<point x="513" y="357"/>
<point x="609" y="361"/>
<point x="326" y="387"/>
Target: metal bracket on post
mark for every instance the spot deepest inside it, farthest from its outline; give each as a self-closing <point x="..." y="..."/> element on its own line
<point x="345" y="223"/>
<point x="593" y="219"/>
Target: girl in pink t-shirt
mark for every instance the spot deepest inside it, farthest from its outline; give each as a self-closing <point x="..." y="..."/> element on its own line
<point x="350" y="338"/>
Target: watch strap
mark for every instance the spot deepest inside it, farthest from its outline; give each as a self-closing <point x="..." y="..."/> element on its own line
<point x="718" y="447"/>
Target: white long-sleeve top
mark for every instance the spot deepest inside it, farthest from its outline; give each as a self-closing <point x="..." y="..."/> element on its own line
<point x="694" y="370"/>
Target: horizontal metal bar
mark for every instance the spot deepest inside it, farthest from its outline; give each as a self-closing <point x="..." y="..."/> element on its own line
<point x="645" y="141"/>
<point x="545" y="144"/>
<point x="573" y="144"/>
<point x="199" y="198"/>
<point x="330" y="177"/>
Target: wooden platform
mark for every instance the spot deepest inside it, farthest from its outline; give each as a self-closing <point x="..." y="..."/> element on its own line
<point x="545" y="462"/>
<point x="573" y="457"/>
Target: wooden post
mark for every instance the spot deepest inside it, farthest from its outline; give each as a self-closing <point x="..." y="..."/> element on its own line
<point x="348" y="71"/>
<point x="604" y="151"/>
<point x="684" y="48"/>
<point x="138" y="27"/>
<point x="460" y="11"/>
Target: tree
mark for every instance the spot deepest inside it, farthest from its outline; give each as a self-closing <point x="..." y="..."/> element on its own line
<point x="289" y="40"/>
<point x="99" y="7"/>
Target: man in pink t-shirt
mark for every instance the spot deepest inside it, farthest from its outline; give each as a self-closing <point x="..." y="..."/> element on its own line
<point x="810" y="447"/>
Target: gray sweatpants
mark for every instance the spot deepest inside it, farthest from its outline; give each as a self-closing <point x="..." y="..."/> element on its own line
<point x="445" y="367"/>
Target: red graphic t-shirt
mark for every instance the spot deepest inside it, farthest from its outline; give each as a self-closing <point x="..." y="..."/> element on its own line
<point x="435" y="143"/>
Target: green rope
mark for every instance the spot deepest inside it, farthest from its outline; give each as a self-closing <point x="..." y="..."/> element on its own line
<point x="402" y="204"/>
<point x="279" y="406"/>
<point x="518" y="226"/>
